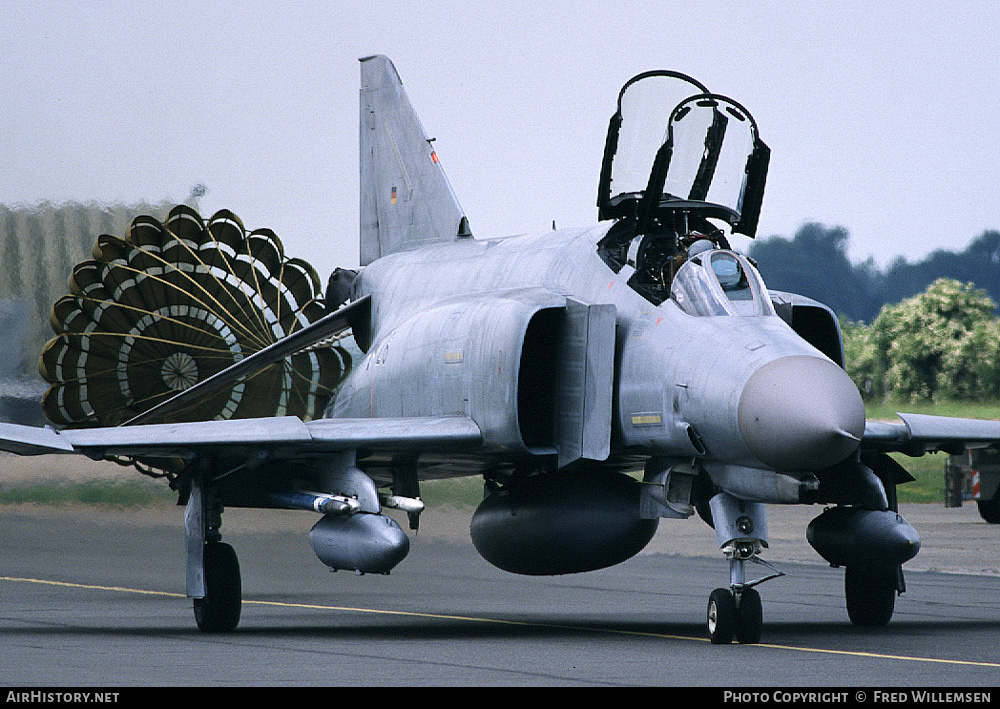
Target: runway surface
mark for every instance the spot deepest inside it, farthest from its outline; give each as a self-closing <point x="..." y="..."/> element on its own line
<point x="95" y="597"/>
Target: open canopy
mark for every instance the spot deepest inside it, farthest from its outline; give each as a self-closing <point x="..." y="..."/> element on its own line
<point x="672" y="145"/>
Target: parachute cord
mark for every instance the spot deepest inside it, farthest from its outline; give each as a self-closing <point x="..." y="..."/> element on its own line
<point x="144" y="467"/>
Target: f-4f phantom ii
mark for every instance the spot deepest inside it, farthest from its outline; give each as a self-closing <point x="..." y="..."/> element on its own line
<point x="598" y="379"/>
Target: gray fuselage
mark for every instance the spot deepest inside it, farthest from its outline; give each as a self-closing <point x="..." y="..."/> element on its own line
<point x="678" y="378"/>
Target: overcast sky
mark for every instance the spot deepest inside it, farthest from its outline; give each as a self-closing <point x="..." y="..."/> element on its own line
<point x="882" y="117"/>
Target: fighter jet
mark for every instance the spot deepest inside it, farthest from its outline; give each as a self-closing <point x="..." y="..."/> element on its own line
<point x="598" y="379"/>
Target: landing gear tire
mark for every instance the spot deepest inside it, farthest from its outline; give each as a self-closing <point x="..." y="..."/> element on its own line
<point x="721" y="616"/>
<point x="727" y="620"/>
<point x="871" y="595"/>
<point x="989" y="510"/>
<point x="749" y="617"/>
<point x="219" y="610"/>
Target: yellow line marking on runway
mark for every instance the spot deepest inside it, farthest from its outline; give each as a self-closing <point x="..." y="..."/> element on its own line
<point x="500" y="621"/>
<point x="92" y="587"/>
<point x="881" y="656"/>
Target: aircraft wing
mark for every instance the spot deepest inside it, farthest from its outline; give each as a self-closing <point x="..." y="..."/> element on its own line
<point x="285" y="436"/>
<point x="280" y="437"/>
<point x="923" y="433"/>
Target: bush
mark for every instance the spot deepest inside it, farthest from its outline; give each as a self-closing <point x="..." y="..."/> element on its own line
<point x="943" y="343"/>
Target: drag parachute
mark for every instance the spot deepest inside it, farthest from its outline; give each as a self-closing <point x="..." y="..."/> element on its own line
<point x="172" y="304"/>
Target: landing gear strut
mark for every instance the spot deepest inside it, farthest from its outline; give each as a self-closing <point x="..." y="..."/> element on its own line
<point x="736" y="612"/>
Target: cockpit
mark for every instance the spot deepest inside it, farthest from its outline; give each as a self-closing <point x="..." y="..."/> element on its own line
<point x="681" y="167"/>
<point x="720" y="282"/>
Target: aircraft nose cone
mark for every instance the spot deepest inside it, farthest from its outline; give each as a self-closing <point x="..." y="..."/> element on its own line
<point x="801" y="413"/>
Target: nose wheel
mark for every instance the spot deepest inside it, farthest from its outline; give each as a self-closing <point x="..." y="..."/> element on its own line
<point x="732" y="615"/>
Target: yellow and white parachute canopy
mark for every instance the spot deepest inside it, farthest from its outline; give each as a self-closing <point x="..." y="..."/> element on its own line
<point x="172" y="304"/>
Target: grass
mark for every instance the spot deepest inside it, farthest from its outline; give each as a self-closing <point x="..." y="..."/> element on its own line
<point x="928" y="471"/>
<point x="454" y="492"/>
<point x="457" y="492"/>
<point x="123" y="493"/>
<point x="886" y="411"/>
<point x="461" y="493"/>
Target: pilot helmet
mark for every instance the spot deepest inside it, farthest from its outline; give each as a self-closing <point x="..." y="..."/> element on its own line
<point x="700" y="246"/>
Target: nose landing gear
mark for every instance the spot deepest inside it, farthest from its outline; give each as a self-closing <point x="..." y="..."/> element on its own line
<point x="736" y="612"/>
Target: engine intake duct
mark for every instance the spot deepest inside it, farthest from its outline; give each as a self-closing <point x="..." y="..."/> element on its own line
<point x="562" y="523"/>
<point x="853" y="536"/>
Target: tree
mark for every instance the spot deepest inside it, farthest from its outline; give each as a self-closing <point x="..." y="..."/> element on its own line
<point x="863" y="359"/>
<point x="815" y="264"/>
<point x="941" y="343"/>
<point x="979" y="263"/>
<point x="972" y="369"/>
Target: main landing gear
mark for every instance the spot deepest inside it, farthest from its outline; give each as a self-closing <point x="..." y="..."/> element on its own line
<point x="213" y="571"/>
<point x="736" y="612"/>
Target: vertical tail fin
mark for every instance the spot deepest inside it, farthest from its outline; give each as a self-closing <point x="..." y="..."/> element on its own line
<point x="406" y="199"/>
